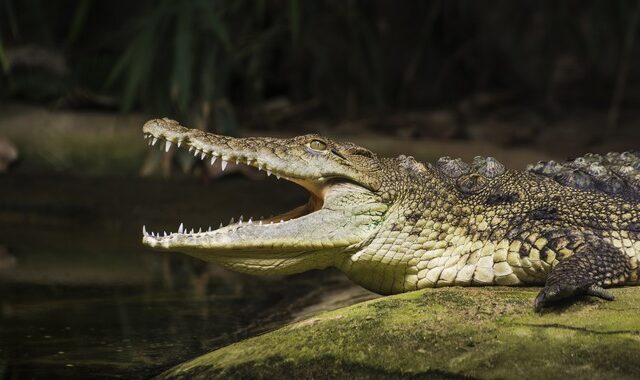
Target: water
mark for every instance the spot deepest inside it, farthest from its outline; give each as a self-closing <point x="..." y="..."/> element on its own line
<point x="80" y="297"/>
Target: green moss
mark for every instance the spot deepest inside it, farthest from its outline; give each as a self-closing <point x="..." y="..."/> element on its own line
<point x="443" y="333"/>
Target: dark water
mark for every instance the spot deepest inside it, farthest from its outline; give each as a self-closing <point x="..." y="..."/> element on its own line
<point x="80" y="297"/>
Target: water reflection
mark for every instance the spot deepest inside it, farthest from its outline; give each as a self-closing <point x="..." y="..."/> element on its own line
<point x="79" y="294"/>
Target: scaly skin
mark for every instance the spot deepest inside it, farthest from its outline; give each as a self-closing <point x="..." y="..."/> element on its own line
<point x="395" y="225"/>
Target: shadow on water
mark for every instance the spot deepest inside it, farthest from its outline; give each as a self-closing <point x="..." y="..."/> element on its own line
<point x="81" y="297"/>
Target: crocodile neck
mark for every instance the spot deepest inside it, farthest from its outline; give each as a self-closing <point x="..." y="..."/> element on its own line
<point x="436" y="237"/>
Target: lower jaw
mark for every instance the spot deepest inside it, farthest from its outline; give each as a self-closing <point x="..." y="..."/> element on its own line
<point x="284" y="264"/>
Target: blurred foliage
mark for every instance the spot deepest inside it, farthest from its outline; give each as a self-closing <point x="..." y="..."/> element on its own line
<point x="206" y="58"/>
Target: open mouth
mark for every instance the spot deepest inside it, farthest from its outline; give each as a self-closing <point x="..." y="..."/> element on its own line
<point x="197" y="143"/>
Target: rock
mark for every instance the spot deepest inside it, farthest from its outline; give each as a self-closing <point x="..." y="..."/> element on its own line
<point x="8" y="154"/>
<point x="442" y="333"/>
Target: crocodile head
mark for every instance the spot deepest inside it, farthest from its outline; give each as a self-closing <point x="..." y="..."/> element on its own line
<point x="347" y="204"/>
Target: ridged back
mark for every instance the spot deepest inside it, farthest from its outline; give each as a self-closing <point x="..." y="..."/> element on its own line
<point x="612" y="173"/>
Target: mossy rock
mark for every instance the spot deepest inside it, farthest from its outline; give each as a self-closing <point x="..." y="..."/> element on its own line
<point x="443" y="333"/>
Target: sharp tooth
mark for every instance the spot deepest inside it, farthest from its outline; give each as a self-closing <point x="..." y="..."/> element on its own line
<point x="223" y="165"/>
<point x="231" y="221"/>
<point x="165" y="233"/>
<point x="259" y="167"/>
<point x="191" y="148"/>
<point x="268" y="173"/>
<point x="191" y="231"/>
<point x="196" y="152"/>
<point x="250" y="221"/>
<point x="237" y="161"/>
<point x="277" y="176"/>
<point x="200" y="230"/>
<point x="144" y="230"/>
<point x="220" y="225"/>
<point x="241" y="218"/>
<point x="209" y="230"/>
<point x="204" y="154"/>
<point x="213" y="159"/>
<point x="167" y="146"/>
<point x="179" y="143"/>
<point x="154" y="141"/>
<point x="181" y="228"/>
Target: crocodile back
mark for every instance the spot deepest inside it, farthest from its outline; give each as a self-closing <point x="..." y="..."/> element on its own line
<point x="612" y="173"/>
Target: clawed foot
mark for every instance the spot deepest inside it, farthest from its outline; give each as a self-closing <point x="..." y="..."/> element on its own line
<point x="556" y="292"/>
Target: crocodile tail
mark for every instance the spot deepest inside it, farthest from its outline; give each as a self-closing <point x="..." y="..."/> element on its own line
<point x="612" y="173"/>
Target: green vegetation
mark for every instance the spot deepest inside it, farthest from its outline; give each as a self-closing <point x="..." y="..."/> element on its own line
<point x="442" y="333"/>
<point x="203" y="61"/>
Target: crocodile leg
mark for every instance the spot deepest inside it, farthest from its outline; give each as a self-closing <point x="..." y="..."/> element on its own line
<point x="594" y="264"/>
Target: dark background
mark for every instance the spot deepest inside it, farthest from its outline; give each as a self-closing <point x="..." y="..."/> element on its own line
<point x="281" y="65"/>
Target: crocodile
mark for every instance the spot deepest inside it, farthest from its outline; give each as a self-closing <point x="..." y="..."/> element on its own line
<point x="395" y="225"/>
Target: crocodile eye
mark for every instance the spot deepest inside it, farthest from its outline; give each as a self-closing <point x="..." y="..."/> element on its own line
<point x="318" y="145"/>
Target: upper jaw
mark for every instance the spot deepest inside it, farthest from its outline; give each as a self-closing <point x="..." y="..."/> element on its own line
<point x="214" y="148"/>
<point x="262" y="153"/>
<point x="287" y="158"/>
